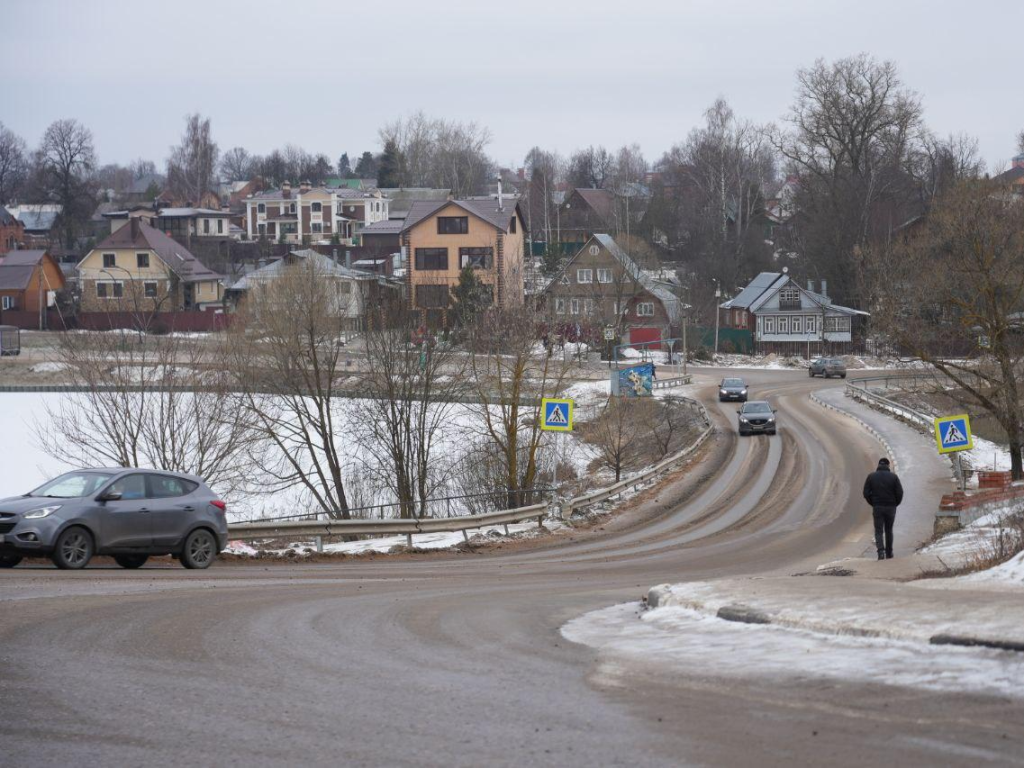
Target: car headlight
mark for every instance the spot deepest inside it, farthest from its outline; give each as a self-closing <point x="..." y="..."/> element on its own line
<point x="35" y="514"/>
<point x="743" y="392"/>
<point x="724" y="392"/>
<point x="771" y="419"/>
<point x="743" y="419"/>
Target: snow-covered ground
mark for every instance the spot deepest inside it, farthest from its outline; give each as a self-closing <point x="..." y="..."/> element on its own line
<point x="987" y="455"/>
<point x="681" y="639"/>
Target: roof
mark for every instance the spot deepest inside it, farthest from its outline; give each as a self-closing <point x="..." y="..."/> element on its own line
<point x="487" y="210"/>
<point x="745" y="298"/>
<point x="7" y="218"/>
<point x="138" y="234"/>
<point x="672" y="303"/>
<point x="293" y="195"/>
<point x="16" y="268"/>
<point x="386" y="227"/>
<point x="402" y="198"/>
<point x="1013" y="175"/>
<point x="602" y="201"/>
<point x="326" y="263"/>
<point x="174" y="213"/>
<point x="40" y="221"/>
<point x="142" y="184"/>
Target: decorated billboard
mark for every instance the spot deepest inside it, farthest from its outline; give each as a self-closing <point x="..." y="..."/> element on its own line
<point x="636" y="380"/>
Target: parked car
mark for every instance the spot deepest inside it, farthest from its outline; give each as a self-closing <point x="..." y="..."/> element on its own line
<point x="130" y="514"/>
<point x="757" y="416"/>
<point x="827" y="367"/>
<point x="732" y="389"/>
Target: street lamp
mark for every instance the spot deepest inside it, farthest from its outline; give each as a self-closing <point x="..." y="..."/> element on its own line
<point x="718" y="296"/>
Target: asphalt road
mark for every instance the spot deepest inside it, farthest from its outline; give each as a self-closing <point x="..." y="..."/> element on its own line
<point x="458" y="660"/>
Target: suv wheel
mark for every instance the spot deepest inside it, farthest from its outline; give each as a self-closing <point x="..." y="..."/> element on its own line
<point x="9" y="561"/>
<point x="200" y="549"/>
<point x="131" y="561"/>
<point x="73" y="550"/>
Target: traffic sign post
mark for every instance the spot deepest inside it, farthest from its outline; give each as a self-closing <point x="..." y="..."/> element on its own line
<point x="953" y="435"/>
<point x="556" y="416"/>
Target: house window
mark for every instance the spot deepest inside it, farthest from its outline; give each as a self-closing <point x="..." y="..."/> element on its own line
<point x="261" y="208"/>
<point x="109" y="290"/>
<point x="149" y="289"/>
<point x="789" y="297"/>
<point x="574" y="307"/>
<point x="432" y="258"/>
<point x="452" y="225"/>
<point x="769" y="325"/>
<point x="432" y="296"/>
<point x="206" y="226"/>
<point x="316" y="227"/>
<point x="316" y="207"/>
<point x="220" y="226"/>
<point x="604" y="275"/>
<point x="142" y="260"/>
<point x="584" y="276"/>
<point x="261" y="229"/>
<point x="512" y="227"/>
<point x="109" y="260"/>
<point x="783" y="325"/>
<point x="645" y="309"/>
<point x="477" y="258"/>
<point x="291" y="208"/>
<point x="8" y="302"/>
<point x="559" y="306"/>
<point x="798" y="325"/>
<point x="588" y="306"/>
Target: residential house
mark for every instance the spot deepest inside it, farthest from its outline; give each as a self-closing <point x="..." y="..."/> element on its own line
<point x="38" y="220"/>
<point x="585" y="212"/>
<point x="29" y="284"/>
<point x="402" y="199"/>
<point x="440" y="238"/>
<point x="602" y="287"/>
<point x="138" y="268"/>
<point x="314" y="215"/>
<point x="786" y="318"/>
<point x="1014" y="177"/>
<point x="354" y="289"/>
<point x="12" y="231"/>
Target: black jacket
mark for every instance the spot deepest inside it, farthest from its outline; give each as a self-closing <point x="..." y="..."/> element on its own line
<point x="883" y="488"/>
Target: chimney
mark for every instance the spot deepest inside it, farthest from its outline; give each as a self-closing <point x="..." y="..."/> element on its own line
<point x="133" y="222"/>
<point x="348" y="259"/>
<point x="305" y="186"/>
<point x="1018" y="161"/>
<point x="824" y="288"/>
<point x="286" y="189"/>
<point x="810" y="286"/>
<point x="334" y="255"/>
<point x="501" y="200"/>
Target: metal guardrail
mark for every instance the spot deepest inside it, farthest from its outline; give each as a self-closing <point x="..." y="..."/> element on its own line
<point x="318" y="529"/>
<point x="678" y="381"/>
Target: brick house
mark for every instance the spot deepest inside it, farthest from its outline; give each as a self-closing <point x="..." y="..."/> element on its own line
<point x="438" y="239"/>
<point x="603" y="287"/>
<point x="12" y="231"/>
<point x="140" y="269"/>
<point x="313" y="214"/>
<point x="29" y="284"/>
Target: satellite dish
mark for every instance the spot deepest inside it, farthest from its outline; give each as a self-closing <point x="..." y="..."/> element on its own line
<point x="785" y="270"/>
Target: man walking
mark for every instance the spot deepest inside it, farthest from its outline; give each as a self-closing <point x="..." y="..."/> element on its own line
<point x="884" y="492"/>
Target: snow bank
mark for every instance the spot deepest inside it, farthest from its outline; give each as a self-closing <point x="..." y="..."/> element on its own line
<point x="1011" y="572"/>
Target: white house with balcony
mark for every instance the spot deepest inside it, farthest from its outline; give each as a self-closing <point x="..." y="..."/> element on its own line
<point x="789" y="319"/>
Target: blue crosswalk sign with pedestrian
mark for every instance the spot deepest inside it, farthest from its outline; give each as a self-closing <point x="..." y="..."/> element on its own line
<point x="556" y="414"/>
<point x="953" y="433"/>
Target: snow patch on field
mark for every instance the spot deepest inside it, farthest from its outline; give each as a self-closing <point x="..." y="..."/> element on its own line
<point x="684" y="640"/>
<point x="49" y="367"/>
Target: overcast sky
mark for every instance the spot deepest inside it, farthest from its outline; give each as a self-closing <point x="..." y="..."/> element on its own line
<point x="324" y="74"/>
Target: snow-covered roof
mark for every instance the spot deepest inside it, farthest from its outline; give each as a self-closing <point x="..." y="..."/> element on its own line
<point x="326" y="264"/>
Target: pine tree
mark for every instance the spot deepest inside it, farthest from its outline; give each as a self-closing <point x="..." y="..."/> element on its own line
<point x="366" y="168"/>
<point x="389" y="174"/>
<point x="470" y="297"/>
<point x="344" y="167"/>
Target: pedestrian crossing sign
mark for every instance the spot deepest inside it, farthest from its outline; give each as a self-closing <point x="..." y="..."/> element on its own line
<point x="953" y="433"/>
<point x="557" y="415"/>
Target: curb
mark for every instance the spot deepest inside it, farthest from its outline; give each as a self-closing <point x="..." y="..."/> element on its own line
<point x="976" y="642"/>
<point x="871" y="430"/>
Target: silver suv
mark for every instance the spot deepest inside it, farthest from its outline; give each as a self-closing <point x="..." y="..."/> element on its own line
<point x="129" y="514"/>
<point x="757" y="416"/>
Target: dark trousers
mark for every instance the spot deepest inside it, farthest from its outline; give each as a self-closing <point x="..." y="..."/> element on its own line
<point x="884" y="518"/>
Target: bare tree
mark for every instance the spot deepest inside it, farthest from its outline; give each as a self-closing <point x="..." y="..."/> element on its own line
<point x="590" y="168"/>
<point x="956" y="288"/>
<point x="156" y="402"/>
<point x="140" y="168"/>
<point x="438" y="153"/>
<point x="286" y="361"/>
<point x="408" y="396"/>
<point x="191" y="165"/>
<point x="1020" y="142"/>
<point x="619" y="431"/>
<point x="510" y="376"/>
<point x="13" y="164"/>
<point x="237" y="165"/>
<point x="64" y="162"/>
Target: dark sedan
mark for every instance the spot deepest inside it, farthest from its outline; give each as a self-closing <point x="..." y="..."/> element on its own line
<point x="732" y="389"/>
<point x="129" y="514"/>
<point x="756" y="416"/>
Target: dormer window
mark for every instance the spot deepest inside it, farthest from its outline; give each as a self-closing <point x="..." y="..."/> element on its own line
<point x="789" y="298"/>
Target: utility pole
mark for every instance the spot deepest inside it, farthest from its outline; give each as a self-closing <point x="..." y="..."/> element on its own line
<point x="718" y="295"/>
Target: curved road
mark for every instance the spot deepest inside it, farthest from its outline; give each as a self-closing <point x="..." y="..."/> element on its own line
<point x="458" y="660"/>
